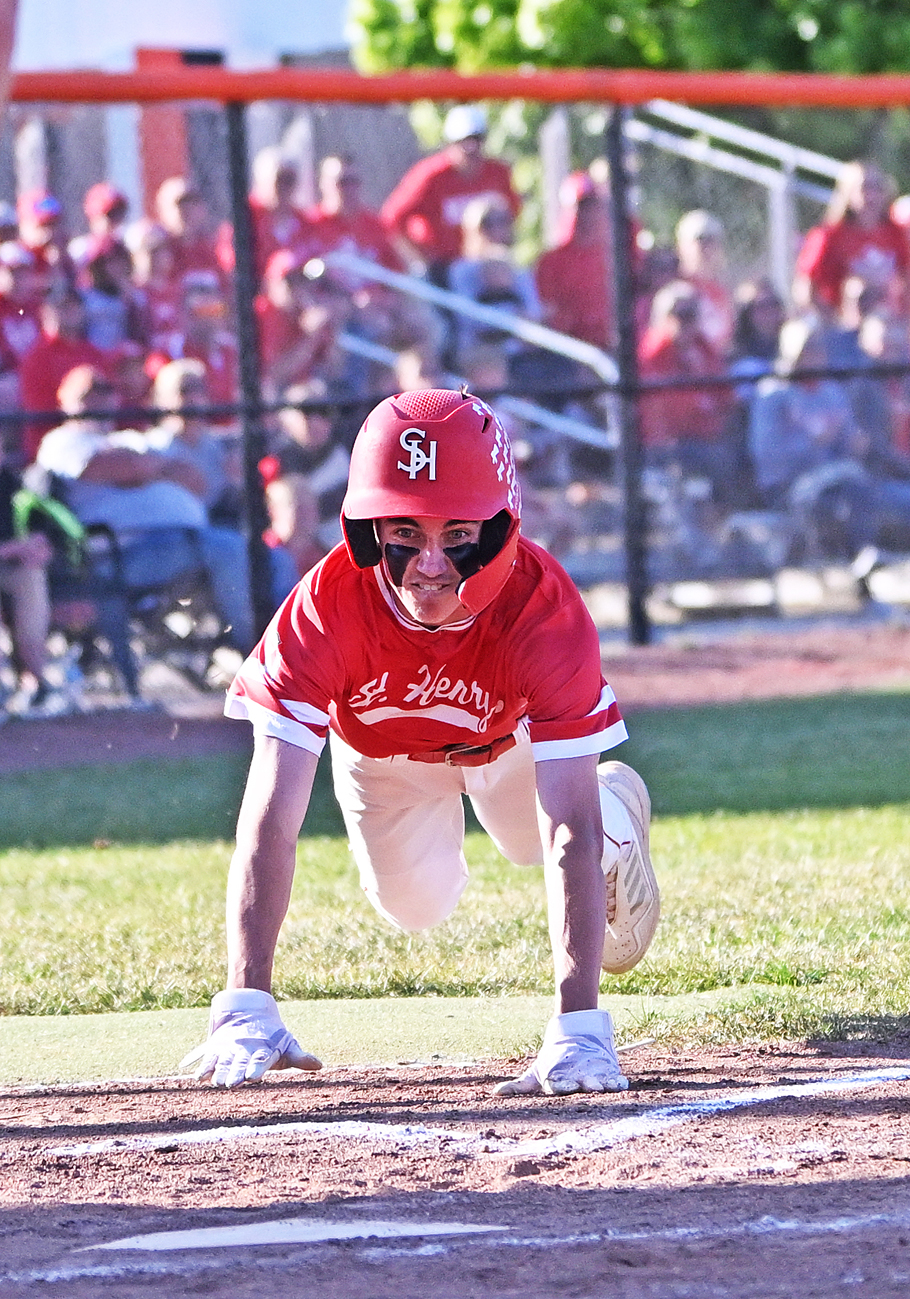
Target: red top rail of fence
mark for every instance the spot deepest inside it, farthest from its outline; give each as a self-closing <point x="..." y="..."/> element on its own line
<point x="622" y="86"/>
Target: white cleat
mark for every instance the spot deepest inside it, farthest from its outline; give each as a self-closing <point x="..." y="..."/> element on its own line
<point x="631" y="881"/>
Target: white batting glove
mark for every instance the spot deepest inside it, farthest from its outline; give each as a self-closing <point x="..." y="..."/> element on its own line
<point x="246" y="1038"/>
<point x="577" y="1055"/>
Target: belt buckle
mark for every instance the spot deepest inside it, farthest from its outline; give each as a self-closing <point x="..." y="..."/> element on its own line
<point x="460" y="751"/>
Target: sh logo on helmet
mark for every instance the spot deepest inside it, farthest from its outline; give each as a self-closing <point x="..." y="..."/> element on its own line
<point x="420" y="459"/>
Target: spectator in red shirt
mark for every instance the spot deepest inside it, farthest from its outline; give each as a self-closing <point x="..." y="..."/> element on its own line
<point x="105" y="210"/>
<point x="342" y="222"/>
<point x="573" y="279"/>
<point x="189" y="228"/>
<point x="61" y="347"/>
<point x="426" y="206"/>
<point x="858" y="238"/>
<point x="20" y="324"/>
<point x="702" y="263"/>
<point x="684" y="427"/>
<point x="153" y="275"/>
<point x="41" y="232"/>
<point x="300" y="312"/>
<point x="278" y="221"/>
<point x="202" y="335"/>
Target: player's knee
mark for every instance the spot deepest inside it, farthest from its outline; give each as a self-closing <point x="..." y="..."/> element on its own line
<point x="532" y="856"/>
<point x="413" y="905"/>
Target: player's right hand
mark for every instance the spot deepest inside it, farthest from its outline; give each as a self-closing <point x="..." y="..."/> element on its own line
<point x="246" y="1038"/>
<point x="577" y="1055"/>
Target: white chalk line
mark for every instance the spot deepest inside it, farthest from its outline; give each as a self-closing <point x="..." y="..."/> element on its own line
<point x="575" y="1141"/>
<point x="404" y="1135"/>
<point x="604" y="1136"/>
<point x="764" y="1226"/>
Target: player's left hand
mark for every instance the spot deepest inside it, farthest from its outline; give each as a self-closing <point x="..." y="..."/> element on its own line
<point x="577" y="1055"/>
<point x="246" y="1038"/>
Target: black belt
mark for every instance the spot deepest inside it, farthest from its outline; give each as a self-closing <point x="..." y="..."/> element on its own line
<point x="467" y="755"/>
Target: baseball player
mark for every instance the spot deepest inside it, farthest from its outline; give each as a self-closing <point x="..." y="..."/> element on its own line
<point x="442" y="654"/>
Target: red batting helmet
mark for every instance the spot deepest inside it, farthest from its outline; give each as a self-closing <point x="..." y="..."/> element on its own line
<point x="436" y="454"/>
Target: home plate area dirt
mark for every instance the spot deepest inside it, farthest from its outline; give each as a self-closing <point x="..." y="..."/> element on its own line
<point x="778" y="1172"/>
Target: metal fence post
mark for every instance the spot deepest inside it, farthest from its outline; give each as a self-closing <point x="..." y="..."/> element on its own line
<point x="245" y="287"/>
<point x="782" y="228"/>
<point x="634" y="507"/>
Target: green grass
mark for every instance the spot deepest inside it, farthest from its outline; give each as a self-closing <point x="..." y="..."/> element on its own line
<point x="386" y="1031"/>
<point x="144" y="802"/>
<point x="832" y="751"/>
<point x="780" y="840"/>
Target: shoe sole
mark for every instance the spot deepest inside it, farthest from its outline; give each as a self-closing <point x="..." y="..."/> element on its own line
<point x="637" y="894"/>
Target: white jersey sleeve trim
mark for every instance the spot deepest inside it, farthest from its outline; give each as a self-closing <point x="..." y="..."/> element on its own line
<point x="607" y="698"/>
<point x="265" y="722"/>
<point x="545" y="750"/>
<point x="305" y="712"/>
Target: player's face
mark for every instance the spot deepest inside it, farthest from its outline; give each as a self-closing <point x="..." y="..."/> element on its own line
<point x="425" y="579"/>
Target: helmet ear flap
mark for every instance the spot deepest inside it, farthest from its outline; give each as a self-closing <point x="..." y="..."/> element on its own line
<point x="360" y="536"/>
<point x="493" y="535"/>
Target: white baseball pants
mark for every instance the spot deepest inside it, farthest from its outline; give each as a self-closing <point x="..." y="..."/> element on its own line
<point x="405" y="824"/>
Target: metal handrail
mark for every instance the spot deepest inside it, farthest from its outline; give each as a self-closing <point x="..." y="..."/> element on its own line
<point x="528" y="331"/>
<point x="701" y="151"/>
<point x="790" y="155"/>
<point x="520" y="407"/>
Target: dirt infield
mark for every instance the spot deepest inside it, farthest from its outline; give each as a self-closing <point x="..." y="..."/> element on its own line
<point x="727" y="1173"/>
<point x="737" y="1173"/>
<point x="816" y="659"/>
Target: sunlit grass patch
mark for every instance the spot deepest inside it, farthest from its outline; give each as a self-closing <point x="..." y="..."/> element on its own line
<point x="811" y="909"/>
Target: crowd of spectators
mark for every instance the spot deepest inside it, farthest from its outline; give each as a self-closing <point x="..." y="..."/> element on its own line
<point x="128" y="331"/>
<point x="809" y="432"/>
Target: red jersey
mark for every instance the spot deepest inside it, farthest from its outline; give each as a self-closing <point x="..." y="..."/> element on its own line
<point x="41" y="371"/>
<point x="163" y="307"/>
<point x="691" y="413"/>
<point x="280" y="331"/>
<point x="339" y="654"/>
<point x="221" y="361"/>
<point x="357" y="232"/>
<point x="831" y="254"/>
<point x="427" y="204"/>
<point x="573" y="285"/>
<point x="190" y="255"/>
<point x="716" y="312"/>
<point x="272" y="231"/>
<point x="20" y="330"/>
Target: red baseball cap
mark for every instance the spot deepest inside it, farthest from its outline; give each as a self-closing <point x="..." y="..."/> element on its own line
<point x="577" y="185"/>
<point x="103" y="199"/>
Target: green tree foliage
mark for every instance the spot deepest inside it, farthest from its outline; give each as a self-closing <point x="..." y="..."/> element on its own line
<point x="845" y="36"/>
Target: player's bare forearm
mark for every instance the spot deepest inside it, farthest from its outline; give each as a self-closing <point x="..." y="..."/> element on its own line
<point x="262" y="868"/>
<point x="259" y="888"/>
<point x="571" y="828"/>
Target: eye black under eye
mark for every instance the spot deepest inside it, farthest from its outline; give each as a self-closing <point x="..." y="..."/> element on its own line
<point x="464" y="558"/>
